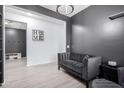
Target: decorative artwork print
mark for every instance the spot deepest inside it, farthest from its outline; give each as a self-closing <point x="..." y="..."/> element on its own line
<point x="37" y="35"/>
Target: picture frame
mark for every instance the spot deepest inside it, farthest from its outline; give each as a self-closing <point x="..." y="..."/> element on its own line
<point x="37" y="35"/>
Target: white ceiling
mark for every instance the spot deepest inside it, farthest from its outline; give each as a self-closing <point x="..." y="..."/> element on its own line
<point x="31" y="14"/>
<point x="77" y="8"/>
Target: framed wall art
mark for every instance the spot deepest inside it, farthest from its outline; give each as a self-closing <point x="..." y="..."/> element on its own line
<point x="37" y="35"/>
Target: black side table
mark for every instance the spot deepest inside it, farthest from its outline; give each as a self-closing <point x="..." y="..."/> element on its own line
<point x="109" y="72"/>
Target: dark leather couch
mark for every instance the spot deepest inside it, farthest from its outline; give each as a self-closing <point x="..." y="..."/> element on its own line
<point x="82" y="65"/>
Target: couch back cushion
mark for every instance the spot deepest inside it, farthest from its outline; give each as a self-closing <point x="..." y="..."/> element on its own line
<point x="77" y="57"/>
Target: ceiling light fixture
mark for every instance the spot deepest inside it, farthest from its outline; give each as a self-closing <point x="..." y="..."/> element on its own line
<point x="7" y="22"/>
<point x="65" y="9"/>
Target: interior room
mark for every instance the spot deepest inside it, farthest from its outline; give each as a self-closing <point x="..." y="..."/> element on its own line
<point x="64" y="46"/>
<point x="15" y="41"/>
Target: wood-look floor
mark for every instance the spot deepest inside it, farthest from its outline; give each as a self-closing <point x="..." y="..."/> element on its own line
<point x="18" y="75"/>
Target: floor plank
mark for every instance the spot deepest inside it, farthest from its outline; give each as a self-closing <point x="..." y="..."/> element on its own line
<point x="18" y="75"/>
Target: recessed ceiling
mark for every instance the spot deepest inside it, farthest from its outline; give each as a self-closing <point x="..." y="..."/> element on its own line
<point x="77" y="8"/>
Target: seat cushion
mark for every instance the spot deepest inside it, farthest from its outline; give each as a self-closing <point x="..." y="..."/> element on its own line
<point x="73" y="65"/>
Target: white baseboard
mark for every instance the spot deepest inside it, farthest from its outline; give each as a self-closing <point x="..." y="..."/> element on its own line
<point x="40" y="63"/>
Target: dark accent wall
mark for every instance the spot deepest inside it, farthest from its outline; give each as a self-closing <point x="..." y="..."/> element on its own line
<point x="100" y="36"/>
<point x="51" y="13"/>
<point x="15" y="41"/>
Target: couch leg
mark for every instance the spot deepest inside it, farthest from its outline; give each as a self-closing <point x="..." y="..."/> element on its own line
<point x="87" y="84"/>
<point x="58" y="67"/>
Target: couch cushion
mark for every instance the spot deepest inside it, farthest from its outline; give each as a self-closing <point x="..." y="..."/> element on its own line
<point x="77" y="57"/>
<point x="73" y="65"/>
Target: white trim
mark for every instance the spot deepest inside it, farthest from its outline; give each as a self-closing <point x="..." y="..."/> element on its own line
<point x="39" y="63"/>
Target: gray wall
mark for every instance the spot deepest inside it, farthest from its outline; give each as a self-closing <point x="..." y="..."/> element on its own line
<point x="15" y="41"/>
<point x="50" y="13"/>
<point x="100" y="36"/>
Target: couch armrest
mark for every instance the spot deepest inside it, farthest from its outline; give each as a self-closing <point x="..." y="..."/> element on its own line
<point x="62" y="57"/>
<point x="121" y="76"/>
<point x="93" y="67"/>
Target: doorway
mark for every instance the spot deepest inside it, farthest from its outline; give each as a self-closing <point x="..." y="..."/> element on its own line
<point x="15" y="41"/>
